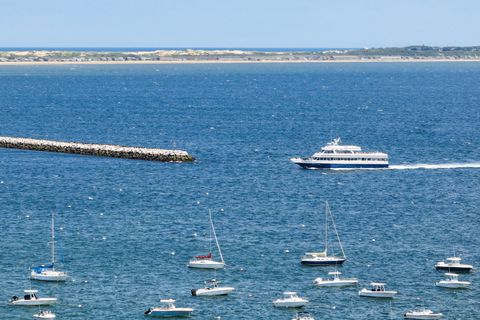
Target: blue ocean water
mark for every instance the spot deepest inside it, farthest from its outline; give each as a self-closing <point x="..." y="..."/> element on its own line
<point x="120" y="221"/>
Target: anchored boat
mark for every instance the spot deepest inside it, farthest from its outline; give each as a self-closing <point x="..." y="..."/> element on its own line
<point x="303" y="316"/>
<point x="377" y="291"/>
<point x="207" y="261"/>
<point x="336" y="281"/>
<point x="322" y="258"/>
<point x="45" y="314"/>
<point x="337" y="156"/>
<point x="31" y="299"/>
<point x="212" y="288"/>
<point x="47" y="272"/>
<point x="452" y="282"/>
<point x="422" y="314"/>
<point x="168" y="309"/>
<point x="290" y="299"/>
<point x="454" y="264"/>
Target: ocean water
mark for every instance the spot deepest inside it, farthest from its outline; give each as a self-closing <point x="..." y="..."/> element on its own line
<point x="126" y="229"/>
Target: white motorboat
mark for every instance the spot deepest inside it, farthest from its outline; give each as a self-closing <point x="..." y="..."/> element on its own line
<point x="212" y="288"/>
<point x="337" y="156"/>
<point x="48" y="272"/>
<point x="453" y="264"/>
<point x="168" y="309"/>
<point x="303" y="316"/>
<point x="322" y="258"/>
<point x="377" y="291"/>
<point x="336" y="281"/>
<point x="290" y="299"/>
<point x="31" y="299"/>
<point x="45" y="314"/>
<point x="207" y="261"/>
<point x="422" y="314"/>
<point x="452" y="282"/>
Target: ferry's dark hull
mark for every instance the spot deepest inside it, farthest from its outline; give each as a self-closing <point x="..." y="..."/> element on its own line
<point x="456" y="269"/>
<point x="323" y="263"/>
<point x="311" y="165"/>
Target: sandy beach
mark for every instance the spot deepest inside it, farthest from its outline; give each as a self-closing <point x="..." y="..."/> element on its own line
<point x="358" y="60"/>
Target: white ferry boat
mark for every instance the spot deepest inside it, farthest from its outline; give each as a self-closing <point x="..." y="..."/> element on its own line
<point x="337" y="156"/>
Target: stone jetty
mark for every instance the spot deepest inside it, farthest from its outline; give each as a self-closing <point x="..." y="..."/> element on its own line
<point x="102" y="150"/>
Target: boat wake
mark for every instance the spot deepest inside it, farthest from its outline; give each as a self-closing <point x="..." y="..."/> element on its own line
<point x="435" y="166"/>
<point x="428" y="166"/>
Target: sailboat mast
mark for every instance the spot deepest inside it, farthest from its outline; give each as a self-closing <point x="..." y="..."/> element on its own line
<point x="53" y="238"/>
<point x="336" y="233"/>
<point x="326" y="227"/>
<point x="215" y="235"/>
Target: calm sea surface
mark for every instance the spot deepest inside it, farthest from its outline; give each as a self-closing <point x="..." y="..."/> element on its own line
<point x="126" y="229"/>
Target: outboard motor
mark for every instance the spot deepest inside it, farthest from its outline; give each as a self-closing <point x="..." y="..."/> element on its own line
<point x="148" y="311"/>
<point x="194" y="292"/>
<point x="14" y="298"/>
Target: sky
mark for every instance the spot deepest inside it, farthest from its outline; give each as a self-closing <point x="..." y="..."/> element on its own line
<point x="239" y="23"/>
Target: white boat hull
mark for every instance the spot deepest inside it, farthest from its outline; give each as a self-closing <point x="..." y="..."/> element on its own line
<point x="53" y="276"/>
<point x="414" y="315"/>
<point x="453" y="284"/>
<point x="34" y="302"/>
<point x="44" y="316"/>
<point x="377" y="294"/>
<point x="209" y="292"/>
<point x="290" y="304"/>
<point x="206" y="264"/>
<point x="335" y="283"/>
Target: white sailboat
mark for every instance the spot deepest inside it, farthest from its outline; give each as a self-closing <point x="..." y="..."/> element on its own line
<point x="207" y="261"/>
<point x="322" y="258"/>
<point x="47" y="272"/>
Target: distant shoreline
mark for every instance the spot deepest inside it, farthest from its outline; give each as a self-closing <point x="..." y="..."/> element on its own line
<point x="239" y="61"/>
<point x="196" y="56"/>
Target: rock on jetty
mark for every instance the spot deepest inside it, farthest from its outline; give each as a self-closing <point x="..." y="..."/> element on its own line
<point x="103" y="150"/>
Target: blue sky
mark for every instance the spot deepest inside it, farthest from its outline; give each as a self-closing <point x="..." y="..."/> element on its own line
<point x="245" y="23"/>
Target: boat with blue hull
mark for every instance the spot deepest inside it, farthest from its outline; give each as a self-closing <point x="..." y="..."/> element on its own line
<point x="337" y="156"/>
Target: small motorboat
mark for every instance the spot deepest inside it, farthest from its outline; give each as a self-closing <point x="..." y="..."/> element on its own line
<point x="31" y="299"/>
<point x="422" y="314"/>
<point x="290" y="299"/>
<point x="45" y="314"/>
<point x="168" y="309"/>
<point x="453" y="264"/>
<point x="336" y="281"/>
<point x="303" y="316"/>
<point x="212" y="288"/>
<point x="452" y="282"/>
<point x="377" y="291"/>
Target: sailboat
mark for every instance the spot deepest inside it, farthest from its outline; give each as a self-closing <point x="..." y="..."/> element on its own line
<point x="207" y="261"/>
<point x="322" y="258"/>
<point x="47" y="272"/>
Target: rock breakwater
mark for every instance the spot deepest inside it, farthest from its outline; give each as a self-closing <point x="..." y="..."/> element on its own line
<point x="101" y="150"/>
